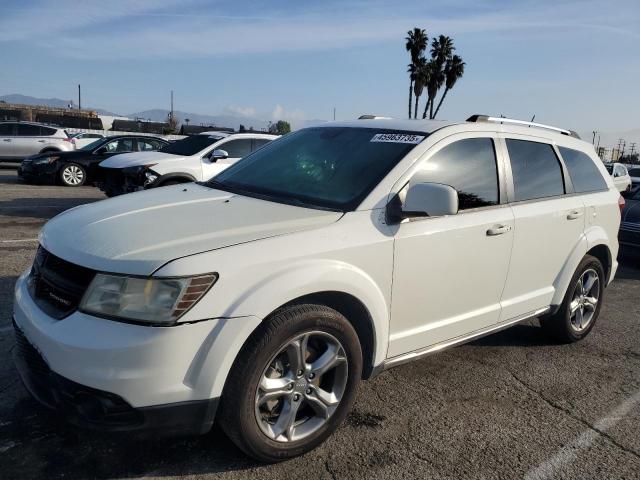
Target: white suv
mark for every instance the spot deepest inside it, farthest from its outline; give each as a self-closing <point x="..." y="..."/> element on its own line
<point x="195" y="158"/>
<point x="19" y="140"/>
<point x="262" y="297"/>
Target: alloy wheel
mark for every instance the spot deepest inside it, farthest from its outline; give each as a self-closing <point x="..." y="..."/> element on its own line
<point x="73" y="175"/>
<point x="585" y="300"/>
<point x="301" y="386"/>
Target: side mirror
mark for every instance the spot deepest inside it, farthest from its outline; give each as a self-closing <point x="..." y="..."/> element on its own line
<point x="424" y="200"/>
<point x="218" y="154"/>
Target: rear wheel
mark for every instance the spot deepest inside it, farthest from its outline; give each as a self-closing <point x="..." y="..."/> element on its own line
<point x="293" y="383"/>
<point x="73" y="175"/>
<point x="581" y="305"/>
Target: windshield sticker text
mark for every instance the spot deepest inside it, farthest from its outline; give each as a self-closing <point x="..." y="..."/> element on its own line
<point x="397" y="138"/>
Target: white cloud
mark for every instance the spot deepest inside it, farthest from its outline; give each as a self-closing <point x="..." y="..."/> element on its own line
<point x="295" y="117"/>
<point x="240" y="111"/>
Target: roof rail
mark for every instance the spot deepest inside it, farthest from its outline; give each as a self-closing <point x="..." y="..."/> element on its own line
<point x="487" y="118"/>
<point x="372" y="117"/>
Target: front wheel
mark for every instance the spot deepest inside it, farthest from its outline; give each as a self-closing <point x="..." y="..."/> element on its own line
<point x="292" y="384"/>
<point x="581" y="305"/>
<point x="73" y="175"/>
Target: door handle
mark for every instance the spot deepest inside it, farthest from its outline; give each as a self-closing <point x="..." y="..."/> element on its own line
<point x="574" y="215"/>
<point x="498" y="230"/>
<point x="40" y="141"/>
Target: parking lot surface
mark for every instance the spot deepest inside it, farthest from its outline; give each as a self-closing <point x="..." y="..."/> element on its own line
<point x="512" y="405"/>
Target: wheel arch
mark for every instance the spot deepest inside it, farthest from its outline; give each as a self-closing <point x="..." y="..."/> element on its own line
<point x="356" y="313"/>
<point x="174" y="177"/>
<point x="50" y="149"/>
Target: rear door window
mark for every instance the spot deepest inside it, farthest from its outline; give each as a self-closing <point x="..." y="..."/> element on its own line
<point x="584" y="174"/>
<point x="536" y="170"/>
<point x="46" y="131"/>
<point x="469" y="166"/>
<point x="237" y="148"/>
<point x="258" y="143"/>
<point x="25" y="130"/>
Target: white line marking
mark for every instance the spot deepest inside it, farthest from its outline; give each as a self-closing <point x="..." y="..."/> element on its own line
<point x="20" y="240"/>
<point x="568" y="453"/>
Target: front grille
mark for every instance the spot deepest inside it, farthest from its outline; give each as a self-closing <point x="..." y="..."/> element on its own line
<point x="56" y="285"/>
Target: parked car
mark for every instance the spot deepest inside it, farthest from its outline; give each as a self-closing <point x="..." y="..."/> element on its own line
<point x="83" y="139"/>
<point x="78" y="167"/>
<point x="629" y="234"/>
<point x="195" y="158"/>
<point x="620" y="175"/>
<point x="634" y="176"/>
<point x="261" y="297"/>
<point x="21" y="139"/>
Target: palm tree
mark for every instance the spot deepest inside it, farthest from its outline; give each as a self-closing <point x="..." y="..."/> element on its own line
<point x="416" y="43"/>
<point x="411" y="69"/>
<point x="421" y="80"/>
<point x="453" y="70"/>
<point x="441" y="49"/>
<point x="436" y="79"/>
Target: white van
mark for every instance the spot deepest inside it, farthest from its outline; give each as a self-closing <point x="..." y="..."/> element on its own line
<point x="195" y="158"/>
<point x="261" y="298"/>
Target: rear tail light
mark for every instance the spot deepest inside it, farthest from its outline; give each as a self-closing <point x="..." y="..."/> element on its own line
<point x="621" y="203"/>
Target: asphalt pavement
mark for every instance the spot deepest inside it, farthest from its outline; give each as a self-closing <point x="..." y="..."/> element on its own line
<point x="512" y="405"/>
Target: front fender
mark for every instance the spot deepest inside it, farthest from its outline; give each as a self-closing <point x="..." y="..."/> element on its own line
<point x="315" y="276"/>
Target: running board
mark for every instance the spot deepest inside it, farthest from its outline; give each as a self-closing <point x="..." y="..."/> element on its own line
<point x="439" y="347"/>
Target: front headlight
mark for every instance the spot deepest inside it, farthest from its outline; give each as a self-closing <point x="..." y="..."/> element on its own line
<point x="149" y="177"/>
<point x="151" y="300"/>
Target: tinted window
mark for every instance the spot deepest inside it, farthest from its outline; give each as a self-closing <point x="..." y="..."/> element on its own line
<point x="634" y="172"/>
<point x="237" y="148"/>
<point x="322" y="167"/>
<point x="536" y="170"/>
<point x="6" y="129"/>
<point x="469" y="166"/>
<point x="584" y="174"/>
<point x="145" y="145"/>
<point x="120" y="145"/>
<point x="259" y="142"/>
<point x="47" y="131"/>
<point x="25" y="130"/>
<point x="191" y="145"/>
<point x="609" y="168"/>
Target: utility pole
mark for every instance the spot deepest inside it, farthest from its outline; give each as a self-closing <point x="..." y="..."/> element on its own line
<point x="633" y="148"/>
<point x="79" y="98"/>
<point x="171" y="114"/>
<point x="598" y="142"/>
<point x="593" y="140"/>
<point x="334" y="114"/>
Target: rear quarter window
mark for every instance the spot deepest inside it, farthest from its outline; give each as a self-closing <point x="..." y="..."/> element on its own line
<point x="584" y="174"/>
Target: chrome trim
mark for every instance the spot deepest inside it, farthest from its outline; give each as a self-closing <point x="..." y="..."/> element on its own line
<point x="418" y="354"/>
<point x="512" y="121"/>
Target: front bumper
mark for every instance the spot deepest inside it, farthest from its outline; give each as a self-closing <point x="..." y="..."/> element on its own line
<point x="41" y="173"/>
<point x="95" y="409"/>
<point x="147" y="372"/>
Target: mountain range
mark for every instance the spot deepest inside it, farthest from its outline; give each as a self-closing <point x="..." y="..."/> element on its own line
<point x="156" y="114"/>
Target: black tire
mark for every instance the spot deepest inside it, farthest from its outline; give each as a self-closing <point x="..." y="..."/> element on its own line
<point x="72" y="173"/>
<point x="560" y="326"/>
<point x="237" y="415"/>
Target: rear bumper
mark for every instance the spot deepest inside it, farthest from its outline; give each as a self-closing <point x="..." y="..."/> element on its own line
<point x="100" y="410"/>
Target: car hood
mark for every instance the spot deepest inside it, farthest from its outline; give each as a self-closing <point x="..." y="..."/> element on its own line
<point x="137" y="158"/>
<point x="72" y="154"/>
<point x="140" y="232"/>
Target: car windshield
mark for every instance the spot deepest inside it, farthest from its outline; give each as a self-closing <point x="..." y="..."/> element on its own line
<point x="94" y="145"/>
<point x="191" y="145"/>
<point x="331" y="168"/>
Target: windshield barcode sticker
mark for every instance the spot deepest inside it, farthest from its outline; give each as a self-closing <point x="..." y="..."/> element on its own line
<point x="397" y="138"/>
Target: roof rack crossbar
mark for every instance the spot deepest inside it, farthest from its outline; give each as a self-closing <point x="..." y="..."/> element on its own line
<point x="487" y="118"/>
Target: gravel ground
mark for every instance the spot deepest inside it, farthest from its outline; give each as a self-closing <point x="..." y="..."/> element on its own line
<point x="511" y="405"/>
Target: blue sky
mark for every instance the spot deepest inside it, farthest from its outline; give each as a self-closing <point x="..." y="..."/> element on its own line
<point x="574" y="63"/>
